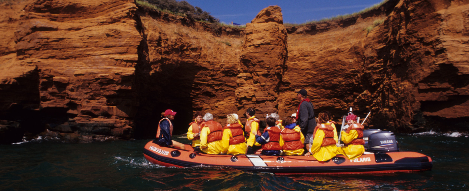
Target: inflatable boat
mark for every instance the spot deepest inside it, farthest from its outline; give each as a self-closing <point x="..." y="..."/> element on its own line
<point x="384" y="158"/>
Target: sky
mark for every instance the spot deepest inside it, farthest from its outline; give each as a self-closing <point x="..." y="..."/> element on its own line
<point x="294" y="11"/>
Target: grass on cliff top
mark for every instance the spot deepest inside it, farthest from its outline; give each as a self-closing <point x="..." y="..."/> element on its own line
<point x="157" y="9"/>
<point x="340" y="17"/>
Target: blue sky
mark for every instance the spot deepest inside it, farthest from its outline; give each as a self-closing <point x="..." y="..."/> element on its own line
<point x="294" y="11"/>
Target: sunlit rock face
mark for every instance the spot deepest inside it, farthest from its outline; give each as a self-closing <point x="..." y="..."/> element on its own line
<point x="263" y="57"/>
<point x="86" y="70"/>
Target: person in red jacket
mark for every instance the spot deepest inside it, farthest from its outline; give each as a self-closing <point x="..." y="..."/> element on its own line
<point x="270" y="139"/>
<point x="292" y="137"/>
<point x="233" y="140"/>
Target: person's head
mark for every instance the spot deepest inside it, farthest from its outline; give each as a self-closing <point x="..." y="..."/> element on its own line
<point x="351" y="119"/>
<point x="231" y="119"/>
<point x="208" y="117"/>
<point x="250" y="112"/>
<point x="275" y="116"/>
<point x="198" y="116"/>
<point x="293" y="117"/>
<point x="287" y="121"/>
<point x="301" y="94"/>
<point x="323" y="117"/>
<point x="270" y="121"/>
<point x="169" y="114"/>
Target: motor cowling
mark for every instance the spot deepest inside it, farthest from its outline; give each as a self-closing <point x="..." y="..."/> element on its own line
<point x="380" y="141"/>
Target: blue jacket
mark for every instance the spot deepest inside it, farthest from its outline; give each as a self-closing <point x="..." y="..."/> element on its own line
<point x="165" y="134"/>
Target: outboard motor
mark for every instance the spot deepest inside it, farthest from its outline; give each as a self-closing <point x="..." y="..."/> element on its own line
<point x="366" y="134"/>
<point x="381" y="141"/>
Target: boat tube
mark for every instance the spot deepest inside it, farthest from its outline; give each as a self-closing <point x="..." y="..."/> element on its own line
<point x="379" y="161"/>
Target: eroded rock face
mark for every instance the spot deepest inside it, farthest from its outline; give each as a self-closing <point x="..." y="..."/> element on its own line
<point x="96" y="70"/>
<point x="262" y="62"/>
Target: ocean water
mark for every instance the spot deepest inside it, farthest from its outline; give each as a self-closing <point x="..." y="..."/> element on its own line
<point x="120" y="165"/>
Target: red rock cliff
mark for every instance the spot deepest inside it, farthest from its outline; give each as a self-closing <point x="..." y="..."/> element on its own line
<point x="92" y="70"/>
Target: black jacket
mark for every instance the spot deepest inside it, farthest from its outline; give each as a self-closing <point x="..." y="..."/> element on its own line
<point x="165" y="136"/>
<point x="306" y="119"/>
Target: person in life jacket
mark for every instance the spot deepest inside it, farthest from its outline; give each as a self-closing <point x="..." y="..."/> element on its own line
<point x="251" y="130"/>
<point x="194" y="130"/>
<point x="353" y="138"/>
<point x="292" y="137"/>
<point x="278" y="121"/>
<point x="233" y="140"/>
<point x="211" y="135"/>
<point x="165" y="131"/>
<point x="324" y="144"/>
<point x="272" y="142"/>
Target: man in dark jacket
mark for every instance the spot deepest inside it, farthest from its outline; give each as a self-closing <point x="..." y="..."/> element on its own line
<point x="305" y="117"/>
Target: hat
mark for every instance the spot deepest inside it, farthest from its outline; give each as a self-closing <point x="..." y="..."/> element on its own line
<point x="293" y="115"/>
<point x="351" y="117"/>
<point x="169" y="112"/>
<point x="251" y="111"/>
<point x="303" y="92"/>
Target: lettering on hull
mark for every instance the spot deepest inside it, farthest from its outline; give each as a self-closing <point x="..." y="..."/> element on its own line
<point x="367" y="159"/>
<point x="163" y="152"/>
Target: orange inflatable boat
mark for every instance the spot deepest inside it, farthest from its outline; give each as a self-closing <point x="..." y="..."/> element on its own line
<point x="378" y="162"/>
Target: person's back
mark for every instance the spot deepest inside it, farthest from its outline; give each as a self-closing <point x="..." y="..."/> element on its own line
<point x="292" y="137"/>
<point x="233" y="140"/>
<point x="324" y="144"/>
<point x="274" y="143"/>
<point x="353" y="139"/>
<point x="211" y="136"/>
<point x="305" y="117"/>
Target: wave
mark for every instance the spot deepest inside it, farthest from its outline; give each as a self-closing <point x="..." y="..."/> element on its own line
<point x="449" y="134"/>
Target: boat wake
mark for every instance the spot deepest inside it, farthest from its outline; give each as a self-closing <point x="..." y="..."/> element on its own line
<point x="449" y="134"/>
<point x="136" y="162"/>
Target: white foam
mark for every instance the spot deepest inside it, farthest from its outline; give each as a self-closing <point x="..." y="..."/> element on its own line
<point x="426" y="133"/>
<point x="453" y="134"/>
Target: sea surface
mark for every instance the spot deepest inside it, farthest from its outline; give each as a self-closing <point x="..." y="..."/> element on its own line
<point x="120" y="165"/>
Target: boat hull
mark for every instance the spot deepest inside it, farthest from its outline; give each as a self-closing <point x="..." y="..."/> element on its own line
<point x="367" y="163"/>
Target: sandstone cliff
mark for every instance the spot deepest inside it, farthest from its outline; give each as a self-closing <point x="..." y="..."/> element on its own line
<point x="94" y="70"/>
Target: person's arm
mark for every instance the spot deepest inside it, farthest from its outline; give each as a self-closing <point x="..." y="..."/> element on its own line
<point x="190" y="134"/>
<point x="226" y="140"/>
<point x="252" y="135"/>
<point x="349" y="137"/>
<point x="336" y="138"/>
<point x="203" y="137"/>
<point x="165" y="132"/>
<point x="317" y="141"/>
<point x="280" y="141"/>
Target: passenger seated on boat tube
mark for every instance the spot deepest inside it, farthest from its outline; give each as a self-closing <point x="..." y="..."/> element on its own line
<point x="251" y="130"/>
<point x="292" y="137"/>
<point x="233" y="140"/>
<point x="353" y="138"/>
<point x="211" y="136"/>
<point x="278" y="121"/>
<point x="165" y="131"/>
<point x="194" y="130"/>
<point x="324" y="143"/>
<point x="271" y="141"/>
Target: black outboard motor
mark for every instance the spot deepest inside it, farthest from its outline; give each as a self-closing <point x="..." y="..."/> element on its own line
<point x="366" y="134"/>
<point x="380" y="141"/>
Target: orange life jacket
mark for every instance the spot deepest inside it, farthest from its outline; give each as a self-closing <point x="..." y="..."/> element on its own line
<point x="159" y="129"/>
<point x="248" y="126"/>
<point x="216" y="131"/>
<point x="328" y="135"/>
<point x="274" y="138"/>
<point x="292" y="139"/>
<point x="359" y="140"/>
<point x="195" y="129"/>
<point x="237" y="133"/>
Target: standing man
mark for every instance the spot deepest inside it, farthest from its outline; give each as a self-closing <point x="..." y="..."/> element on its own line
<point x="305" y="117"/>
